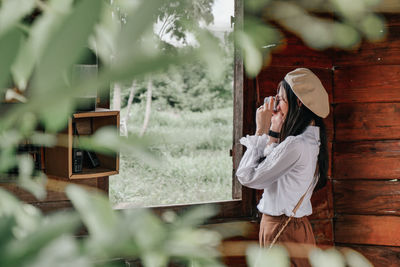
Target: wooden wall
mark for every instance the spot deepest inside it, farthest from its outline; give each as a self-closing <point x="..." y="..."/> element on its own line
<point x="360" y="207"/>
<point x="366" y="148"/>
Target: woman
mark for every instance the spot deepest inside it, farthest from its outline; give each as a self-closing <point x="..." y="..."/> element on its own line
<point x="287" y="158"/>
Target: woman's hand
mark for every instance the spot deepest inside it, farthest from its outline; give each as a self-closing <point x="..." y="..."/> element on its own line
<point x="277" y="122"/>
<point x="265" y="231"/>
<point x="263" y="117"/>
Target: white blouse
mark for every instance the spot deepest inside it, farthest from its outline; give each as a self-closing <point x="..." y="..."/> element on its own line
<point x="286" y="172"/>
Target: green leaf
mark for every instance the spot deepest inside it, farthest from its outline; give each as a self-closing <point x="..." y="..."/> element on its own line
<point x="95" y="210"/>
<point x="189" y="242"/>
<point x="139" y="21"/>
<point x="9" y="46"/>
<point x="43" y="139"/>
<point x="41" y="31"/>
<point x="107" y="140"/>
<point x="28" y="123"/>
<point x="27" y="217"/>
<point x="326" y="258"/>
<point x="34" y="185"/>
<point x="252" y="57"/>
<point x="373" y="27"/>
<point x="345" y="36"/>
<point x="255" y="5"/>
<point x="56" y="113"/>
<point x="7" y="159"/>
<point x="146" y="229"/>
<point x="352" y="10"/>
<point x="66" y="45"/>
<point x="196" y="216"/>
<point x="7" y="223"/>
<point x="355" y="258"/>
<point x="63" y="252"/>
<point x="277" y="256"/>
<point x="54" y="226"/>
<point x="211" y="54"/>
<point x="12" y="11"/>
<point x="154" y="259"/>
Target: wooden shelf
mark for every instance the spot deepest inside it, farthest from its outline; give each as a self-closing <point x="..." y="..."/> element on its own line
<point x="58" y="159"/>
<point x="93" y="173"/>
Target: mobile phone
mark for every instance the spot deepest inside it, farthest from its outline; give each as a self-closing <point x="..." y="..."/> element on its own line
<point x="273" y="98"/>
<point x="275" y="105"/>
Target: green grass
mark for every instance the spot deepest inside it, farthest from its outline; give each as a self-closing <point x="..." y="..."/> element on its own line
<point x="195" y="165"/>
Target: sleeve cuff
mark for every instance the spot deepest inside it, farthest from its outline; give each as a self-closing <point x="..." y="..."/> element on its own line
<point x="255" y="142"/>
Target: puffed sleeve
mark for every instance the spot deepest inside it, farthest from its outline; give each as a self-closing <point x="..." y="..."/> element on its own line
<point x="256" y="149"/>
<point x="279" y="159"/>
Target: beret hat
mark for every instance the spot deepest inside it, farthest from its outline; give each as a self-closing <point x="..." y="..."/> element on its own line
<point x="309" y="89"/>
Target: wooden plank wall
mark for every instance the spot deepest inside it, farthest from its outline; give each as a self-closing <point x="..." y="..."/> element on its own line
<point x="360" y="207"/>
<point x="366" y="158"/>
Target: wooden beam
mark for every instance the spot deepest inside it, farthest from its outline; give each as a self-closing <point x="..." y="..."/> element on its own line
<point x="367" y="197"/>
<point x="375" y="83"/>
<point x="292" y="52"/>
<point x="367" y="229"/>
<point x="322" y="203"/>
<point x="367" y="121"/>
<point x="367" y="160"/>
<point x="379" y="256"/>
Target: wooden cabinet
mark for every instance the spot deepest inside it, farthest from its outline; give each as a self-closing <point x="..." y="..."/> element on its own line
<point x="59" y="159"/>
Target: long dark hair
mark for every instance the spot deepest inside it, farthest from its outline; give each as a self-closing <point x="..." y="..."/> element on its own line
<point x="296" y="121"/>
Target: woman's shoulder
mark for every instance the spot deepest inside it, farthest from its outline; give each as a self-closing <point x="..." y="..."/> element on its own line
<point x="293" y="144"/>
<point x="293" y="140"/>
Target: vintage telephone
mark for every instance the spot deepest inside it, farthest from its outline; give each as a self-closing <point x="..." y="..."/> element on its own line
<point x="78" y="155"/>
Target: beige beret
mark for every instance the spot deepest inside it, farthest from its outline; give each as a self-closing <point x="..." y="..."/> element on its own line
<point x="309" y="89"/>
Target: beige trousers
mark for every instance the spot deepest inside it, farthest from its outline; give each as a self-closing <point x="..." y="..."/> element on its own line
<point x="298" y="230"/>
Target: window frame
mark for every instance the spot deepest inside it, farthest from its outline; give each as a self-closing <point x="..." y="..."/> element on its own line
<point x="242" y="206"/>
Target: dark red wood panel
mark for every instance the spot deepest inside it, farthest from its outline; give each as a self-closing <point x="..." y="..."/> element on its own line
<point x="367" y="197"/>
<point x="367" y="121"/>
<point x="329" y="125"/>
<point x="322" y="203"/>
<point x="379" y="256"/>
<point x="367" y="84"/>
<point x="367" y="229"/>
<point x="249" y="106"/>
<point x="102" y="184"/>
<point x="387" y="51"/>
<point x="293" y="52"/>
<point x="323" y="231"/>
<point x="330" y="147"/>
<point x="367" y="160"/>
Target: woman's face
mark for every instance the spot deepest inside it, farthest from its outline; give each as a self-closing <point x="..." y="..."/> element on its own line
<point x="283" y="106"/>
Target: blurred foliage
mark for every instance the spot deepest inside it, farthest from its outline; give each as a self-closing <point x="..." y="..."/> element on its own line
<point x="40" y="41"/>
<point x="188" y="87"/>
<point x="321" y="24"/>
<point x="27" y="238"/>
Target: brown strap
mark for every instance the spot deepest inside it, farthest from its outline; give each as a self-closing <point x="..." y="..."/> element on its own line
<point x="293" y="211"/>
